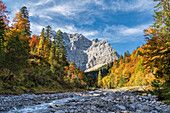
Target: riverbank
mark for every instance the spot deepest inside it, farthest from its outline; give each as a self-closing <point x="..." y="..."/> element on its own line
<point x="122" y="100"/>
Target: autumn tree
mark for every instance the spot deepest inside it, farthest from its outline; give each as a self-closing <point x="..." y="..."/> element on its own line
<point x="3" y="24"/>
<point x="47" y="41"/>
<point x="22" y="25"/>
<point x="16" y="55"/>
<point x="34" y="43"/>
<point x="157" y="49"/>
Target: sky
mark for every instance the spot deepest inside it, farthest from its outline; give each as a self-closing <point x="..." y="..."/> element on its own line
<point x="120" y="22"/>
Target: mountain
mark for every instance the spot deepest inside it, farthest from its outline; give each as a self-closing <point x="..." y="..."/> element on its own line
<point x="87" y="54"/>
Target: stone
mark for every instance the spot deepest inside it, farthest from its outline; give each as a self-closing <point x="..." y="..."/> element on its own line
<point x="43" y="98"/>
<point x="53" y="110"/>
<point x="149" y="95"/>
<point x="121" y="107"/>
<point x="124" y="112"/>
<point x="138" y="111"/>
<point x="144" y="94"/>
<point x="157" y="108"/>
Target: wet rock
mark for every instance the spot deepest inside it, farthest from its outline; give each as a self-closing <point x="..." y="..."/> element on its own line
<point x="53" y="110"/>
<point x="121" y="107"/>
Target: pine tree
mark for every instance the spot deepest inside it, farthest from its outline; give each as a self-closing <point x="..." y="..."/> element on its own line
<point x="3" y="24"/>
<point x="59" y="41"/>
<point x="16" y="55"/>
<point x="99" y="80"/>
<point x="41" y="43"/>
<point x="52" y="57"/>
<point x="47" y="43"/>
<point x="22" y="25"/>
<point x="111" y="81"/>
<point x="2" y="41"/>
<point x="121" y="81"/>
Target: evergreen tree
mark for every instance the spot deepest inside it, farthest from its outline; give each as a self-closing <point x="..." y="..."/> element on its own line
<point x="52" y="57"/>
<point x="3" y="24"/>
<point x="47" y="41"/>
<point x="111" y="81"/>
<point x="16" y="55"/>
<point x="99" y="79"/>
<point x="22" y="24"/>
<point x="121" y="81"/>
<point x="2" y="41"/>
<point x="41" y="43"/>
<point x="59" y="41"/>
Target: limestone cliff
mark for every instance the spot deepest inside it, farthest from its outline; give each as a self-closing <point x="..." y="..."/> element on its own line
<point x="87" y="54"/>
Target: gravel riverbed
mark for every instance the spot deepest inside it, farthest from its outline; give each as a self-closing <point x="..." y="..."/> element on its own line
<point x="101" y="100"/>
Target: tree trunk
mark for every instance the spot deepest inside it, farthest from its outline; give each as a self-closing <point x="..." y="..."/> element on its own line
<point x="9" y="74"/>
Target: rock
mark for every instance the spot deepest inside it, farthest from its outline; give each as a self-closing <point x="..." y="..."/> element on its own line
<point x="124" y="112"/>
<point x="157" y="108"/>
<point x="149" y="95"/>
<point x="144" y="94"/>
<point x="145" y="108"/>
<point x="43" y="98"/>
<point x="53" y="110"/>
<point x="154" y="111"/>
<point x="138" y="111"/>
<point x="121" y="107"/>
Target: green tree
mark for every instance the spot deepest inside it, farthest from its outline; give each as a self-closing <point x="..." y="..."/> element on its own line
<point x="52" y="57"/>
<point x="16" y="55"/>
<point x="121" y="81"/>
<point x="157" y="49"/>
<point x="2" y="42"/>
<point x="99" y="79"/>
<point x="41" y="43"/>
<point x="59" y="41"/>
<point x="3" y="24"/>
<point x="111" y="81"/>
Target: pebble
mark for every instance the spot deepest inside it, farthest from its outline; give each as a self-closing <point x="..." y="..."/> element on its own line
<point x="101" y="100"/>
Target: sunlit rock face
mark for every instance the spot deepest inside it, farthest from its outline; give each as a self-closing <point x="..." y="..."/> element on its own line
<point x="87" y="54"/>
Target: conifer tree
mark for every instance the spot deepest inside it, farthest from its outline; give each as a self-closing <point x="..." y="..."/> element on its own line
<point x="99" y="79"/>
<point x="3" y="24"/>
<point x="16" y="55"/>
<point x="111" y="81"/>
<point x="52" y="57"/>
<point x="59" y="41"/>
<point x="41" y="43"/>
<point x="22" y="25"/>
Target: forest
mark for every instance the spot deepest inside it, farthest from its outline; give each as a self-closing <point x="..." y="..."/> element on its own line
<point x="32" y="63"/>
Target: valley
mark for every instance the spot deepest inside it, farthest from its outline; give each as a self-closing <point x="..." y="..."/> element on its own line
<point x="64" y="56"/>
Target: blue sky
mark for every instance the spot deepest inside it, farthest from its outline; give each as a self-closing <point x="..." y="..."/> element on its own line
<point x="120" y="22"/>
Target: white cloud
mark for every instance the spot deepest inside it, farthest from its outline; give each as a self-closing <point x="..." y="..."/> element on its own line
<point x="127" y="6"/>
<point x="41" y="2"/>
<point x="36" y="28"/>
<point x="122" y="33"/>
<point x="72" y="29"/>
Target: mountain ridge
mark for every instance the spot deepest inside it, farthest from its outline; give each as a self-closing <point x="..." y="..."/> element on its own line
<point x="88" y="54"/>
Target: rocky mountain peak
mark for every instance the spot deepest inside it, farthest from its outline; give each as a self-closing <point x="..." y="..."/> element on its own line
<point x="88" y="54"/>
